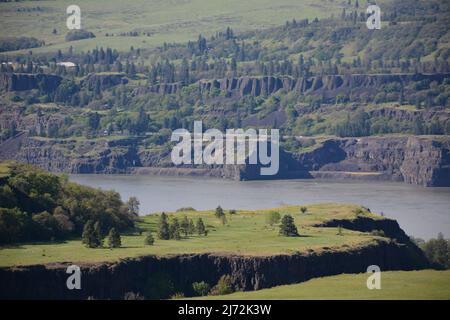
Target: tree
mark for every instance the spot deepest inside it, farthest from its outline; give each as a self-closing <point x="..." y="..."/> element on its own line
<point x="89" y="237"/>
<point x="200" y="226"/>
<point x="273" y="218"/>
<point x="191" y="227"/>
<point x="174" y="230"/>
<point x="303" y="209"/>
<point x="149" y="240"/>
<point x="133" y="206"/>
<point x="219" y="212"/>
<point x="114" y="240"/>
<point x="98" y="233"/>
<point x="163" y="228"/>
<point x="201" y="288"/>
<point x="184" y="226"/>
<point x="287" y="227"/>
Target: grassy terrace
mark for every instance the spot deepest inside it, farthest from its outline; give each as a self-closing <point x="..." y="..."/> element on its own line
<point x="425" y="284"/>
<point x="246" y="233"/>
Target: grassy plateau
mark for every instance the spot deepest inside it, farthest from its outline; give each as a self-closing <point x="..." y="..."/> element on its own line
<point x="245" y="233"/>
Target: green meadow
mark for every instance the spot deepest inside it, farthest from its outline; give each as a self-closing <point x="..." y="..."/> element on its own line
<point x="395" y="285"/>
<point x="245" y="233"/>
<point x="166" y="21"/>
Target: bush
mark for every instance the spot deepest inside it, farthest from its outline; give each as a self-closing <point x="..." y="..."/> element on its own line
<point x="437" y="252"/>
<point x="74" y="35"/>
<point x="223" y="286"/>
<point x="273" y="218"/>
<point x="149" y="240"/>
<point x="200" y="288"/>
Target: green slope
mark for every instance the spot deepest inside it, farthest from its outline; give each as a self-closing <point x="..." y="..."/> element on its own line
<point x="425" y="284"/>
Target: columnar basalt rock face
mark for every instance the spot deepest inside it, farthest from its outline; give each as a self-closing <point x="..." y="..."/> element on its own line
<point x="23" y="81"/>
<point x="328" y="85"/>
<point x="151" y="275"/>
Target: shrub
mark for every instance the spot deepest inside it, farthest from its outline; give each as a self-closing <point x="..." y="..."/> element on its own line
<point x="74" y="35"/>
<point x="201" y="288"/>
<point x="223" y="286"/>
<point x="273" y="218"/>
<point x="149" y="240"/>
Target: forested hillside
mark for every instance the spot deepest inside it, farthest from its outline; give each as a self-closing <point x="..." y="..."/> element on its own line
<point x="36" y="205"/>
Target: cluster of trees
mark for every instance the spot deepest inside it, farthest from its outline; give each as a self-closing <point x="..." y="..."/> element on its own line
<point x="92" y="236"/>
<point x="175" y="230"/>
<point x="19" y="43"/>
<point x="36" y="205"/>
<point x="287" y="225"/>
<point x="75" y="34"/>
<point x="437" y="251"/>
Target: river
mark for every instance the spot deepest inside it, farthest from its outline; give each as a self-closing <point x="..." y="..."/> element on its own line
<point x="421" y="212"/>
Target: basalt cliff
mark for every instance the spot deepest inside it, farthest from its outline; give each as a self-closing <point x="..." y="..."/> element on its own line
<point x="158" y="277"/>
<point x="421" y="160"/>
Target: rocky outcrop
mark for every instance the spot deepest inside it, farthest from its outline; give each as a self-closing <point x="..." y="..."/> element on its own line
<point x="24" y="81"/>
<point x="158" y="277"/>
<point x="422" y="160"/>
<point x="163" y="88"/>
<point x="72" y="156"/>
<point x="103" y="80"/>
<point x="327" y="86"/>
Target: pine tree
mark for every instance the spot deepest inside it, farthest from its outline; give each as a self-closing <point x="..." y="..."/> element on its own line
<point x="163" y="228"/>
<point x="191" y="227"/>
<point x="149" y="240"/>
<point x="114" y="240"/>
<point x="185" y="226"/>
<point x="88" y="236"/>
<point x="98" y="234"/>
<point x="201" y="230"/>
<point x="174" y="230"/>
<point x="287" y="227"/>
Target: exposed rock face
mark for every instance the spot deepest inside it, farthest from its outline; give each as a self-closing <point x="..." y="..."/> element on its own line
<point x="151" y="276"/>
<point x="421" y="160"/>
<point x="72" y="156"/>
<point x="104" y="80"/>
<point x="24" y="81"/>
<point x="163" y="88"/>
<point x="328" y="86"/>
<point x="417" y="160"/>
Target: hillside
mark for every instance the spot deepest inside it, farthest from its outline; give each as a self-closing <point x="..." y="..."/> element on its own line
<point x="146" y="24"/>
<point x="397" y="285"/>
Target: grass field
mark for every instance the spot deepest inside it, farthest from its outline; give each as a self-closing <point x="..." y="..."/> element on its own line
<point x="395" y="285"/>
<point x="167" y="21"/>
<point x="246" y="233"/>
